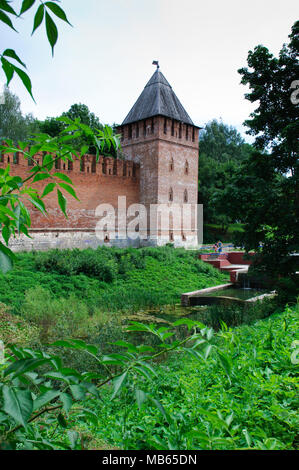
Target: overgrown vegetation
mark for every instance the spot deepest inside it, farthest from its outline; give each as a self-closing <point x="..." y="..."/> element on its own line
<point x="233" y="390"/>
<point x="109" y="279"/>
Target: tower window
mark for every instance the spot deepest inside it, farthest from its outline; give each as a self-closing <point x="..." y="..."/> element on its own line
<point x="187" y="131"/>
<point x="152" y="126"/>
<point x="186" y="167"/>
<point x="170" y="195"/>
<point x="193" y="134"/>
<point x="165" y="125"/>
<point x="171" y="165"/>
<point x="144" y="128"/>
<point x="180" y="130"/>
<point x="130" y="131"/>
<point x="104" y="166"/>
<point x="115" y="167"/>
<point x="185" y="195"/>
<point x="137" y="130"/>
<point x="69" y="165"/>
<point x="125" y="169"/>
<point x="16" y="158"/>
<point x="172" y="127"/>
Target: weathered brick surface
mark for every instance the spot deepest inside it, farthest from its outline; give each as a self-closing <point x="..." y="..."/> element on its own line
<point x="92" y="189"/>
<point x="167" y="152"/>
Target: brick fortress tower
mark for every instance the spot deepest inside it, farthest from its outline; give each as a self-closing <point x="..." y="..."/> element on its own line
<point x="159" y="135"/>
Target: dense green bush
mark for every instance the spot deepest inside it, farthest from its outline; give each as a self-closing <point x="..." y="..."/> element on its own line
<point x="243" y="398"/>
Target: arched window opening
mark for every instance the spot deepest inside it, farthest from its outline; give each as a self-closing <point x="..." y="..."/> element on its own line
<point x="170" y="195"/>
<point x="125" y="169"/>
<point x="165" y="125"/>
<point x="69" y="165"/>
<point x="172" y="127"/>
<point x="144" y="127"/>
<point x="180" y="130"/>
<point x="186" y="167"/>
<point x="193" y="134"/>
<point x="152" y="126"/>
<point x="187" y="131"/>
<point x="137" y="130"/>
<point x="130" y="131"/>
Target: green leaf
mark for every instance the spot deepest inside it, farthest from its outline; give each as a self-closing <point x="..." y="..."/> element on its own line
<point x="38" y="203"/>
<point x="5" y="19"/>
<point x="6" y="258"/>
<point x="26" y="5"/>
<point x="41" y="176"/>
<point x="11" y="53"/>
<point x="62" y="421"/>
<point x="62" y="202"/>
<point x="45" y="398"/>
<point x="63" y="177"/>
<point x="52" y="32"/>
<point x="38" y="18"/>
<point x="78" y="391"/>
<point x="66" y="401"/>
<point x="69" y="189"/>
<point x="25" y="79"/>
<point x="48" y="189"/>
<point x="118" y="383"/>
<point x="18" y="404"/>
<point x="8" y="70"/>
<point x="48" y="161"/>
<point x="226" y="363"/>
<point x="4" y="5"/>
<point x="24" y="365"/>
<point x="58" y="11"/>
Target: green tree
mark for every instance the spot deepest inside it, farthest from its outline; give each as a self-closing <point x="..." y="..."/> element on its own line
<point x="221" y="152"/>
<point x="13" y="125"/>
<point x="54" y="126"/>
<point x="264" y="194"/>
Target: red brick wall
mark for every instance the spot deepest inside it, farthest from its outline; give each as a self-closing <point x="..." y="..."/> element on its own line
<point x="103" y="185"/>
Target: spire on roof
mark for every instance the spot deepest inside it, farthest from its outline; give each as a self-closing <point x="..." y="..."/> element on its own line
<point x="158" y="99"/>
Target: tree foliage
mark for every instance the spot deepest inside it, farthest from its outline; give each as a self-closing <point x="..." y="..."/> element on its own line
<point x="13" y="125"/>
<point x="221" y="152"/>
<point x="264" y="193"/>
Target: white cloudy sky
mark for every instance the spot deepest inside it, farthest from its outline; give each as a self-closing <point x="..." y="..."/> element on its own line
<point x="105" y="60"/>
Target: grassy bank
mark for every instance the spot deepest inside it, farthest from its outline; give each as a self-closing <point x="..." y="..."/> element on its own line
<point x="108" y="279"/>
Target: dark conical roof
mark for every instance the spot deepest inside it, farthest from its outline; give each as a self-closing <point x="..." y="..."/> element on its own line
<point x="158" y="99"/>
